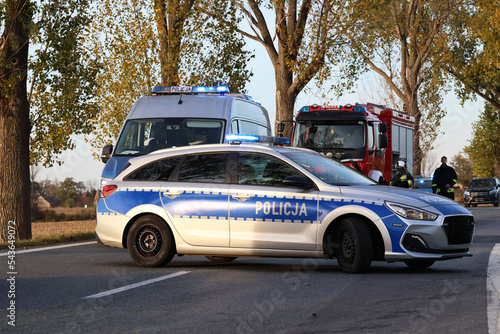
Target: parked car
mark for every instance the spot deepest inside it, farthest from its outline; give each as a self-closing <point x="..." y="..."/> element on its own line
<point x="482" y="191"/>
<point x="225" y="201"/>
<point x="423" y="184"/>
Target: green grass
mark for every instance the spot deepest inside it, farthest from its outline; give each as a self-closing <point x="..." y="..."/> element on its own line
<point x="50" y="240"/>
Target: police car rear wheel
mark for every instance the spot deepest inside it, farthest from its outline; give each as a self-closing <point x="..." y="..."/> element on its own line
<point x="220" y="259"/>
<point x="355" y="251"/>
<point x="150" y="242"/>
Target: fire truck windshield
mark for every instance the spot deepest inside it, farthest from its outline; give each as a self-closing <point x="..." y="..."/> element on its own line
<point x="330" y="135"/>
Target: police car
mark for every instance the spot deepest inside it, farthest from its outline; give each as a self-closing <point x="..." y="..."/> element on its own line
<point x="225" y="201"/>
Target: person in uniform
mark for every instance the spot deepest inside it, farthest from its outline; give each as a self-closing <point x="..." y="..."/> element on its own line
<point x="402" y="178"/>
<point x="444" y="179"/>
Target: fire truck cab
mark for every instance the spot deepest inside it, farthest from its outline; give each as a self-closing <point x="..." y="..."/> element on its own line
<point x="372" y="136"/>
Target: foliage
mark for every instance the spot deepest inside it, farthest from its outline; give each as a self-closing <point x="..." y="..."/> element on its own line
<point x="463" y="167"/>
<point x="210" y="41"/>
<point x="62" y="79"/>
<point x="475" y="57"/>
<point x="68" y="190"/>
<point x="484" y="148"/>
<point x="126" y="39"/>
<point x="403" y="41"/>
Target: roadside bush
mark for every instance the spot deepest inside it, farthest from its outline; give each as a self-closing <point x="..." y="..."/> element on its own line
<point x="51" y="215"/>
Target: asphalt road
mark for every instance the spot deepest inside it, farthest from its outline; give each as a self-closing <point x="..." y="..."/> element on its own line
<point x="57" y="291"/>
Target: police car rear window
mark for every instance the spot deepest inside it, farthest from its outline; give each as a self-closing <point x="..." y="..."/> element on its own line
<point x="156" y="171"/>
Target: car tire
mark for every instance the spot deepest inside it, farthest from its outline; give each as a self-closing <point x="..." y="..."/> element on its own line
<point x="150" y="242"/>
<point x="466" y="205"/>
<point x="474" y="205"/>
<point x="495" y="204"/>
<point x="419" y="264"/>
<point x="355" y="251"/>
<point x="220" y="259"/>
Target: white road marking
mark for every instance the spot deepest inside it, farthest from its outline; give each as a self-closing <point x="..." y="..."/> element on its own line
<point x="49" y="248"/>
<point x="136" y="285"/>
<point x="493" y="287"/>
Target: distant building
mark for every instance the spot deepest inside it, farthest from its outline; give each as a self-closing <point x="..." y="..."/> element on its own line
<point x="47" y="202"/>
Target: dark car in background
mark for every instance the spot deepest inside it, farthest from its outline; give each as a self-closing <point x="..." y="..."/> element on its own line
<point x="482" y="191"/>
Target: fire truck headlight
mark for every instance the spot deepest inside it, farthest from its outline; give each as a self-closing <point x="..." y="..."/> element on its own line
<point x="409" y="212"/>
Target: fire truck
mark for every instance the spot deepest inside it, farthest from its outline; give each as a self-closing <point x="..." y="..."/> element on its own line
<point x="370" y="136"/>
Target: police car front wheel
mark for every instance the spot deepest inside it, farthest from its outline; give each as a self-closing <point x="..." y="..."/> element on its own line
<point x="355" y="251"/>
<point x="150" y="242"/>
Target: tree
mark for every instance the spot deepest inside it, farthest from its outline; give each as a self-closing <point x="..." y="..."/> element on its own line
<point x="308" y="44"/>
<point x="16" y="16"/>
<point x="62" y="79"/>
<point x="137" y="43"/>
<point x="475" y="57"/>
<point x="404" y="42"/>
<point x="68" y="190"/>
<point x="484" y="148"/>
<point x="463" y="166"/>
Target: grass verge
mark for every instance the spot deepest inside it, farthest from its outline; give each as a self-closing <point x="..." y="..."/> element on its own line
<point x="50" y="240"/>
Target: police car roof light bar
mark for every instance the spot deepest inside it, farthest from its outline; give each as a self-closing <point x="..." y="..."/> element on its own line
<point x="221" y="89"/>
<point x="238" y="138"/>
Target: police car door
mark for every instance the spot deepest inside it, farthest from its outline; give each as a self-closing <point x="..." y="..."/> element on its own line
<point x="266" y="214"/>
<point x="196" y="199"/>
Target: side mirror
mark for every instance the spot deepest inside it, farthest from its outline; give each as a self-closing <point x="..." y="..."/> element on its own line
<point x="382" y="127"/>
<point x="383" y="141"/>
<point x="106" y="153"/>
<point x="280" y="127"/>
<point x="298" y="181"/>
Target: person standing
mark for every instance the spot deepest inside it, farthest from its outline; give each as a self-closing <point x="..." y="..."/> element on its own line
<point x="444" y="179"/>
<point x="402" y="178"/>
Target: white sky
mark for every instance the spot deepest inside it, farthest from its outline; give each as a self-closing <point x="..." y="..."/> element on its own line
<point x="456" y="126"/>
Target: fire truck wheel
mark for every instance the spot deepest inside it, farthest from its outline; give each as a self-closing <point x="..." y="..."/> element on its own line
<point x="220" y="259"/>
<point x="150" y="242"/>
<point x="419" y="264"/>
<point x="355" y="251"/>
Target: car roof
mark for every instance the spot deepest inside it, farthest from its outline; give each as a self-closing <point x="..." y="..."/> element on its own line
<point x="184" y="150"/>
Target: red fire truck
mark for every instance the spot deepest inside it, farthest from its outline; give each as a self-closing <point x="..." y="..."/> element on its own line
<point x="372" y="136"/>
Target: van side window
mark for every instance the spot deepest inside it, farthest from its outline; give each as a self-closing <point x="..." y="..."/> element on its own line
<point x="251" y="128"/>
<point x="251" y="112"/>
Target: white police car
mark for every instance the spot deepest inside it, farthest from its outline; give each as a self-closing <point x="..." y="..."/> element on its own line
<point x="225" y="201"/>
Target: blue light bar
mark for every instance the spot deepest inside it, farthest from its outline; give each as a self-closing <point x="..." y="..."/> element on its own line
<point x="221" y="89"/>
<point x="305" y="108"/>
<point x="257" y="139"/>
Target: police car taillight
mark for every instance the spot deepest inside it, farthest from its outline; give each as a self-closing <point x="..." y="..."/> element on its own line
<point x="108" y="190"/>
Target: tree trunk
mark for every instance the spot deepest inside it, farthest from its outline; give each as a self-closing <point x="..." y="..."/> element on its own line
<point x="414" y="111"/>
<point x="285" y="94"/>
<point x="15" y="215"/>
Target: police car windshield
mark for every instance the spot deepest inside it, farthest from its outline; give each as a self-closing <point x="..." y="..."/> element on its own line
<point x="327" y="170"/>
<point x="142" y="136"/>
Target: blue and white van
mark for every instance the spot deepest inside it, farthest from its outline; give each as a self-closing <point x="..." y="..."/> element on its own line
<point x="183" y="116"/>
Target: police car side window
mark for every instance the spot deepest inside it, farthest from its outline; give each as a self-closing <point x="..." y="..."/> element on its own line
<point x="209" y="168"/>
<point x="262" y="170"/>
<point x="156" y="171"/>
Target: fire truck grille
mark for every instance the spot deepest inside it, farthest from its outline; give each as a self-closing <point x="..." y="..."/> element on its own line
<point x="459" y="229"/>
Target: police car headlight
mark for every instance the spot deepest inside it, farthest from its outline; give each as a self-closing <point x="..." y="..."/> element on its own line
<point x="409" y="212"/>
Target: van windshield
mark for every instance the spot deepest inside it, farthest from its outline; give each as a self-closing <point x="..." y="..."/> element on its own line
<point x="142" y="136"/>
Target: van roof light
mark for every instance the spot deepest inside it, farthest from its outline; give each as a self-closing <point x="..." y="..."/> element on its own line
<point x="220" y="89"/>
<point x="239" y="138"/>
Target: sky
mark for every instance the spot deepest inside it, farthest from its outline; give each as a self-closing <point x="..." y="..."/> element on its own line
<point x="456" y="125"/>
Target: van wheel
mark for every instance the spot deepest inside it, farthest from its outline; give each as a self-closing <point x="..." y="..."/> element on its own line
<point x="220" y="259"/>
<point x="355" y="251"/>
<point x="150" y="242"/>
<point x="419" y="264"/>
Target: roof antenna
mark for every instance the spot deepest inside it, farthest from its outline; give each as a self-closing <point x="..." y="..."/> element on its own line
<point x="180" y="99"/>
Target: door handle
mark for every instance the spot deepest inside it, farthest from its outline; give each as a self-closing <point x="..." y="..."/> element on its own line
<point x="242" y="197"/>
<point x="172" y="194"/>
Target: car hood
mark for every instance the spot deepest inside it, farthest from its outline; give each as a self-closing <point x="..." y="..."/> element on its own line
<point x="430" y="202"/>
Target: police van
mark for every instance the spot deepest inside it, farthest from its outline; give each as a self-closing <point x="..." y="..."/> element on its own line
<point x="183" y="116"/>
